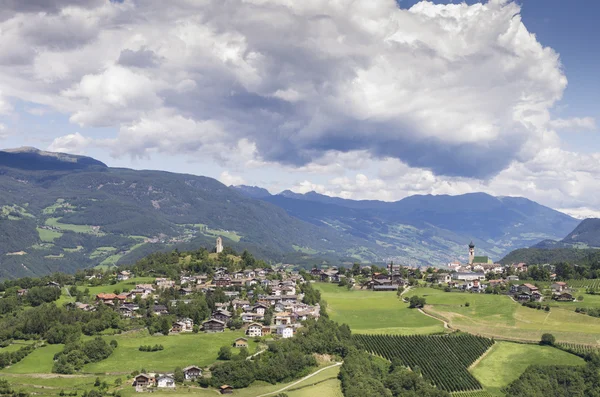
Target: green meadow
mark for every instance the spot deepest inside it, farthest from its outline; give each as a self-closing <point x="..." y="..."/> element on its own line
<point x="506" y="361"/>
<point x="180" y="351"/>
<point x="375" y="312"/>
<point x="127" y="284"/>
<point x="500" y="317"/>
<point x="39" y="361"/>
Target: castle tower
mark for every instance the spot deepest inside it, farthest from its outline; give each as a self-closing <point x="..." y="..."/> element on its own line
<point x="471" y="253"/>
<point x="219" y="245"/>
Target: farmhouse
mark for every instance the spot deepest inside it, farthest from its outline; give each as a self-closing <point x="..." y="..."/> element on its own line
<point x="165" y="381"/>
<point x="123" y="275"/>
<point x="563" y="297"/>
<point x="143" y="380"/>
<point x="192" y="372"/>
<point x="213" y="325"/>
<point x="164" y="283"/>
<point x="559" y="286"/>
<point x="240" y="342"/>
<point x="159" y="310"/>
<point x="254" y="329"/>
<point x="226" y="389"/>
<point x="528" y="288"/>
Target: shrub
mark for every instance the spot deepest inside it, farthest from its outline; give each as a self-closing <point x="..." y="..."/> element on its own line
<point x="548" y="339"/>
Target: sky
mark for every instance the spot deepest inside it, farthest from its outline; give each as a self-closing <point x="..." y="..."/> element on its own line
<point x="361" y="99"/>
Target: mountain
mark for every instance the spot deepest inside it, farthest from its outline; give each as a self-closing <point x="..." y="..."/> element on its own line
<point x="432" y="229"/>
<point x="252" y="191"/>
<point x="60" y="212"/>
<point x="583" y="241"/>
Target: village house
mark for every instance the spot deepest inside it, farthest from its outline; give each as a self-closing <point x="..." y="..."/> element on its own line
<point x="221" y="282"/>
<point x="185" y="291"/>
<point x="285" y="331"/>
<point x="53" y="284"/>
<point x="165" y="381"/>
<point x="192" y="372"/>
<point x="528" y="288"/>
<point x="254" y="330"/>
<point x="283" y="318"/>
<point x="213" y="325"/>
<point x="222" y="315"/>
<point x="123" y="275"/>
<point x="563" y="296"/>
<point x="559" y="286"/>
<point x="164" y="283"/>
<point x="183" y="325"/>
<point x="241" y="342"/>
<point x="240" y="304"/>
<point x="226" y="389"/>
<point x="250" y="317"/>
<point x="468" y="276"/>
<point x="160" y="310"/>
<point x="22" y="292"/>
<point x="143" y="380"/>
<point x="110" y="298"/>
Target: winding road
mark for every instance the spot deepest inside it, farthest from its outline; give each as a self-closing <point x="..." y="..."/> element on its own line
<point x="300" y="381"/>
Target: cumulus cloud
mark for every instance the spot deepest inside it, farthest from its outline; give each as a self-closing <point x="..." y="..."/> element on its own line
<point x="227" y="179"/>
<point x="574" y="124"/>
<point x="72" y="143"/>
<point x="460" y="90"/>
<point x="5" y="107"/>
<point x="3" y="131"/>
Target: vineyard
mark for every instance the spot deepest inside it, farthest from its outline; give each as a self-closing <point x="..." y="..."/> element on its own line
<point x="579" y="350"/>
<point x="593" y="283"/>
<point x="478" y="393"/>
<point x="444" y="360"/>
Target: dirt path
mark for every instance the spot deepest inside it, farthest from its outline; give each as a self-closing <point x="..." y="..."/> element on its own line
<point x="300" y="381"/>
<point x="446" y="325"/>
<point x="488" y="351"/>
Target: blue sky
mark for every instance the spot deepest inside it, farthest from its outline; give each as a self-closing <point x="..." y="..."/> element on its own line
<point x="358" y="99"/>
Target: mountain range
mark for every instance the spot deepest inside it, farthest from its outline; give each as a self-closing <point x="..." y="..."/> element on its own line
<point x="60" y="212"/>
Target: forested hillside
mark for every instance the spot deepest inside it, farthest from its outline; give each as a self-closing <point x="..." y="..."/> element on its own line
<point x="430" y="229"/>
<point x="88" y="214"/>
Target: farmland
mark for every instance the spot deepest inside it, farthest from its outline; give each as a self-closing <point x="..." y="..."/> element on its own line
<point x="506" y="361"/>
<point x="500" y="317"/>
<point x="442" y="359"/>
<point x="375" y="312"/>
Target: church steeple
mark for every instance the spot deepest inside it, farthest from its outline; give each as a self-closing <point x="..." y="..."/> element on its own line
<point x="471" y="252"/>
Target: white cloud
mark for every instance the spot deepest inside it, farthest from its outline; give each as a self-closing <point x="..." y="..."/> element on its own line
<point x="5" y="107"/>
<point x="3" y="131"/>
<point x="574" y="124"/>
<point x="297" y="80"/>
<point x="227" y="179"/>
<point x="581" y="213"/>
<point x="72" y="143"/>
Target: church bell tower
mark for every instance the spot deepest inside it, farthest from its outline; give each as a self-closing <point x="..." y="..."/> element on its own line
<point x="471" y="253"/>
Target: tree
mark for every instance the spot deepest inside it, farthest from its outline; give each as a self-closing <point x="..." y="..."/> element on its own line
<point x="224" y="353"/>
<point x="178" y="375"/>
<point x="416" y="302"/>
<point x="548" y="339"/>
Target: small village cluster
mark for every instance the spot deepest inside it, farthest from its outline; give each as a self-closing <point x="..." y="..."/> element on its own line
<point x="285" y="300"/>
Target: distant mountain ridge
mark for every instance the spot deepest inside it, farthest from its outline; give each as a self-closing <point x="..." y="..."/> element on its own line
<point x="61" y="212"/>
<point x="434" y="229"/>
<point x="578" y="244"/>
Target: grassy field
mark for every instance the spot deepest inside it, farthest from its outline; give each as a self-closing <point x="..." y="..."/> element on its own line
<point x="55" y="222"/>
<point x="39" y="361"/>
<point x="129" y="284"/>
<point x="506" y="361"/>
<point x="500" y="317"/>
<point x="324" y="384"/>
<point x="48" y="236"/>
<point x="375" y="312"/>
<point x="180" y="351"/>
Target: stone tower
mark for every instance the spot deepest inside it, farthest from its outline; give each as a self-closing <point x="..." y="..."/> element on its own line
<point x="471" y="253"/>
<point x="219" y="245"/>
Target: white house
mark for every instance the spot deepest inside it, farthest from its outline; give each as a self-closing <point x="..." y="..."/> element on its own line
<point x="165" y="381"/>
<point x="124" y="275"/>
<point x="285" y="332"/>
<point x="254" y="329"/>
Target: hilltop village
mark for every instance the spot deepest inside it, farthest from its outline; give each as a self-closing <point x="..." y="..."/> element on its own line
<point x="249" y="302"/>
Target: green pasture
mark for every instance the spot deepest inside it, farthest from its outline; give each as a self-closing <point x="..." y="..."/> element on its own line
<point x="55" y="222"/>
<point x="375" y="312"/>
<point x="179" y="351"/>
<point x="109" y="288"/>
<point x="39" y="361"/>
<point x="48" y="236"/>
<point x="506" y="361"/>
<point x="500" y="317"/>
<point x="101" y="251"/>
